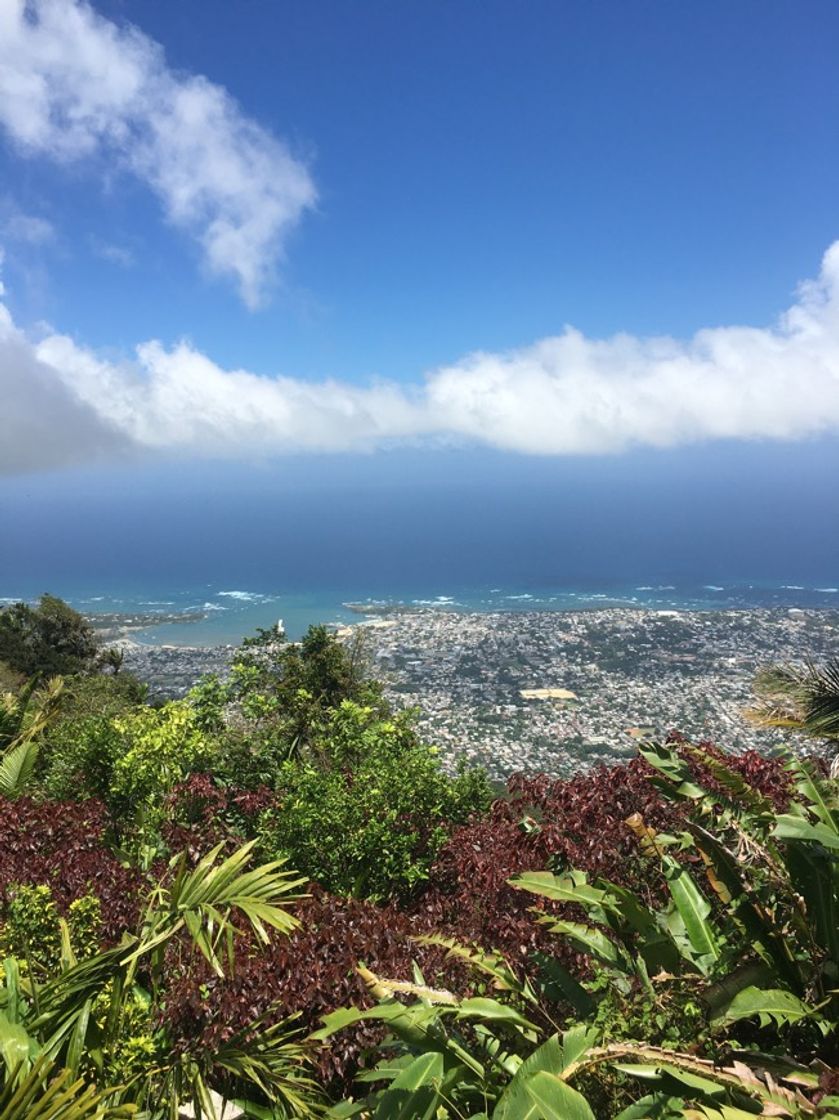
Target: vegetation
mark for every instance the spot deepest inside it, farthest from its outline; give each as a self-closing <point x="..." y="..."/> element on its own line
<point x="657" y="940"/>
<point x="46" y="639"/>
<point x="805" y="698"/>
<point x="369" y="808"/>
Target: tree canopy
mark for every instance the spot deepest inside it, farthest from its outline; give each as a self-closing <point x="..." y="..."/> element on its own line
<point x="49" y="638"/>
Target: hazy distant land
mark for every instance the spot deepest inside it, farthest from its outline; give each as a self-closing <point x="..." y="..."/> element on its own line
<point x="616" y="675"/>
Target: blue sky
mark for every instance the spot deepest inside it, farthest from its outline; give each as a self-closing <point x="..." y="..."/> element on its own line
<point x="442" y="180"/>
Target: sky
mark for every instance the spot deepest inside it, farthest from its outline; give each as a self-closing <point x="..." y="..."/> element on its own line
<point x="378" y="238"/>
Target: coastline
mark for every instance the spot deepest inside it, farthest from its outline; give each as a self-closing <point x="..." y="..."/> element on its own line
<point x="559" y="691"/>
<point x="213" y="615"/>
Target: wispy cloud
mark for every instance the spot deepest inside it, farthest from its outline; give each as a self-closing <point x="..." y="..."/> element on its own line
<point x="30" y="229"/>
<point x="566" y="394"/>
<point x="114" y="254"/>
<point x="76" y="86"/>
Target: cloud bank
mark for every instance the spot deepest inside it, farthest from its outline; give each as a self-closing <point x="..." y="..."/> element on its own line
<point x="564" y="395"/>
<point x="74" y="85"/>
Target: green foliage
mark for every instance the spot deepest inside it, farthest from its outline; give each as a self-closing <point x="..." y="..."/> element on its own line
<point x="78" y="758"/>
<point x="23" y="719"/>
<point x="159" y="748"/>
<point x="101" y="694"/>
<point x="47" y="639"/>
<point x="129" y="756"/>
<point x="97" y="1017"/>
<point x="80" y="746"/>
<point x="31" y="927"/>
<point x="84" y="922"/>
<point x="368" y="808"/>
<point x="284" y="695"/>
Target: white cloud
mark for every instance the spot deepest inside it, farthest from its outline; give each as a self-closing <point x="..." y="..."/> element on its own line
<point x="564" y="395"/>
<point x="74" y="85"/>
<point x="114" y="254"/>
<point x="28" y="228"/>
<point x="44" y="422"/>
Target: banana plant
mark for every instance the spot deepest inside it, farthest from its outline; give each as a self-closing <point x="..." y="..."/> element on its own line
<point x="448" y="1057"/>
<point x="776" y="875"/>
<point x="628" y="936"/>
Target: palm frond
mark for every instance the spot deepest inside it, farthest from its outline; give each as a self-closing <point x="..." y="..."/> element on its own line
<point x="16" y="767"/>
<point x="805" y="697"/>
<point x="204" y="900"/>
<point x="40" y="1095"/>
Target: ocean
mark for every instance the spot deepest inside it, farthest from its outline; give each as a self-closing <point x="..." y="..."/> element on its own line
<point x="238" y="547"/>
<point x="210" y="615"/>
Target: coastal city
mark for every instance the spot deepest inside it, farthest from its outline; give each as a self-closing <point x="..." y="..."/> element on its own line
<point x="559" y="691"/>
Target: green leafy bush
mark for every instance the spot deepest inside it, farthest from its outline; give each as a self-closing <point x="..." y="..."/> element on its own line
<point x="368" y="808"/>
<point x="49" y="638"/>
<point x="159" y="747"/>
<point x="78" y="758"/>
<point x="31" y="927"/>
<point x="284" y="694"/>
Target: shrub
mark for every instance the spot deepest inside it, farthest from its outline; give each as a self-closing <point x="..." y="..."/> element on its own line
<point x="310" y="973"/>
<point x="548" y="823"/>
<point x="30" y="926"/>
<point x="49" y="638"/>
<point x="367" y="810"/>
<point x="62" y="845"/>
<point x="159" y="748"/>
<point x="78" y="758"/>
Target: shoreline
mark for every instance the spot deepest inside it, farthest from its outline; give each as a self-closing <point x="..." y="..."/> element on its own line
<point x="559" y="691"/>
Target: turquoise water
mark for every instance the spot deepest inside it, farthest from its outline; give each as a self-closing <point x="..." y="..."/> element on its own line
<point x="223" y="614"/>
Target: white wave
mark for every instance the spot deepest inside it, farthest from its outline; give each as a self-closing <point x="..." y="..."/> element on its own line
<point x="518" y="596"/>
<point x="792" y="587"/>
<point x="712" y="587"/>
<point x="828" y="590"/>
<point x="213" y="607"/>
<point x="242" y="596"/>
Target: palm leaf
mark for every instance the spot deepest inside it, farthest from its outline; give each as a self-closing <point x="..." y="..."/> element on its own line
<point x="204" y="899"/>
<point x="768" y="1006"/>
<point x="16" y="767"/>
<point x="38" y="1096"/>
